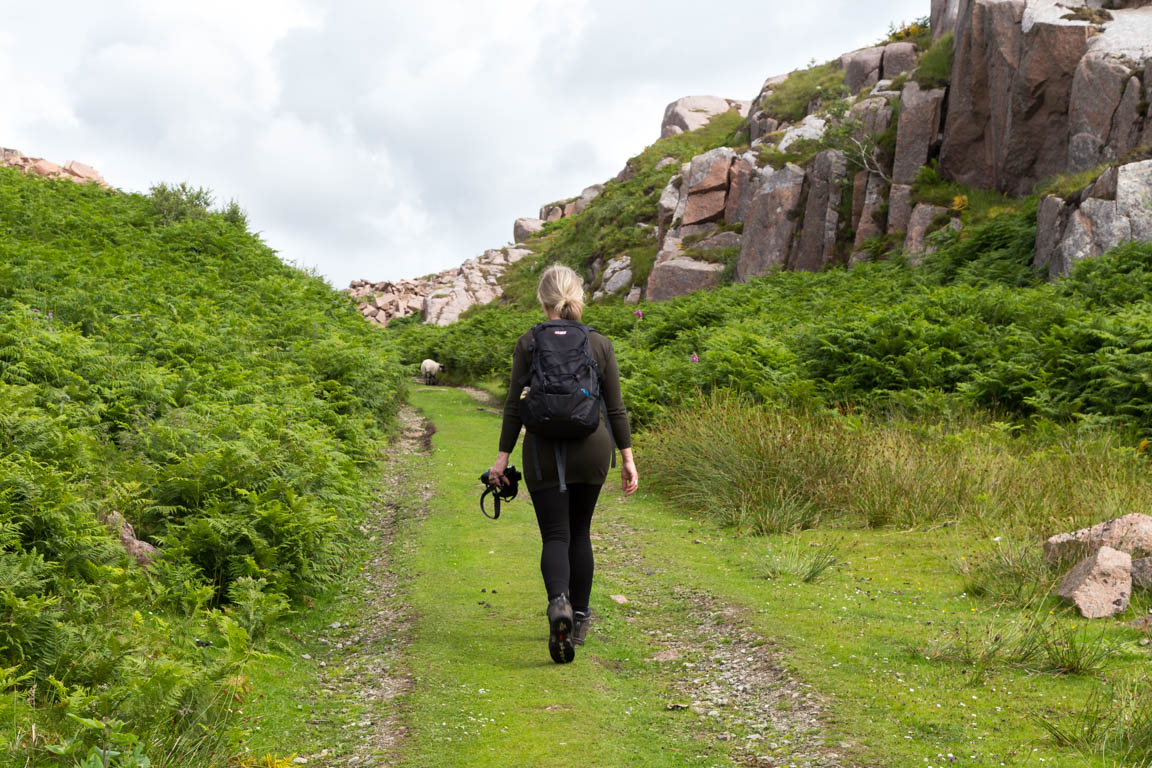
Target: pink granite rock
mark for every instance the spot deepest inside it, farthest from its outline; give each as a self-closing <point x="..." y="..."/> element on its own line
<point x="1100" y="585"/>
<point x="1131" y="534"/>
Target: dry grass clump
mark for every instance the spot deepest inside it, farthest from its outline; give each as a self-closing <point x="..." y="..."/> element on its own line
<point x="769" y="470"/>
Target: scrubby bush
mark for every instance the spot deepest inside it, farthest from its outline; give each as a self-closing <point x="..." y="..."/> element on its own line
<point x="935" y="67"/>
<point x="789" y="101"/>
<point x="160" y="362"/>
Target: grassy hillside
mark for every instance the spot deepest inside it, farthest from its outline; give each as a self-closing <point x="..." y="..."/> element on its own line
<point x="972" y="327"/>
<point x="158" y="360"/>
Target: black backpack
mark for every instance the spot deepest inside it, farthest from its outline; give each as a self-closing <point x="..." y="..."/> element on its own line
<point x="564" y="399"/>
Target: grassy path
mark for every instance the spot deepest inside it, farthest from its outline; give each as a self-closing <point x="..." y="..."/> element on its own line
<point x="664" y="680"/>
<point x="440" y="658"/>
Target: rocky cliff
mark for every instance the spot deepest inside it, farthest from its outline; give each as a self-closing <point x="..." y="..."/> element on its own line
<point x="1000" y="96"/>
<point x="38" y="166"/>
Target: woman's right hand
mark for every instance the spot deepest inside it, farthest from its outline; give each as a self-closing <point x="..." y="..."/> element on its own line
<point x="496" y="473"/>
<point x="629" y="477"/>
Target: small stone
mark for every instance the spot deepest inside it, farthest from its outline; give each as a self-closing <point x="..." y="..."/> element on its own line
<point x="306" y="656"/>
<point x="619" y="599"/>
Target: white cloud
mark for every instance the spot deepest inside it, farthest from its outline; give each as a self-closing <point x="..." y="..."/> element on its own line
<point x="389" y="139"/>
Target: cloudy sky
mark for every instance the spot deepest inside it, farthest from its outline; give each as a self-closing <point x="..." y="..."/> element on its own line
<point x="389" y="139"/>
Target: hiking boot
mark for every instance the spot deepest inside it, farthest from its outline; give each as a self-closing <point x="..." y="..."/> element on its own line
<point x="560" y="630"/>
<point x="580" y="619"/>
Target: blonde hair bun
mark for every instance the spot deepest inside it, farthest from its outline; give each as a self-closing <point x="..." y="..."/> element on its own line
<point x="561" y="292"/>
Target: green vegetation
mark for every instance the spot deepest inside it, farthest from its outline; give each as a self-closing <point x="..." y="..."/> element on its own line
<point x="1090" y="15"/>
<point x="918" y="32"/>
<point x="935" y="67"/>
<point x="790" y="100"/>
<point x="770" y="470"/>
<point x="974" y="327"/>
<point x="971" y="205"/>
<point x="159" y="361"/>
<point x="878" y="621"/>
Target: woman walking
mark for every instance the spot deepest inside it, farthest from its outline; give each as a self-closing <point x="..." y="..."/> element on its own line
<point x="564" y="477"/>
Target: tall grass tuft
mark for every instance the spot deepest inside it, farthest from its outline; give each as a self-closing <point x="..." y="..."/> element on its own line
<point x="1115" y="721"/>
<point x="804" y="562"/>
<point x="765" y="469"/>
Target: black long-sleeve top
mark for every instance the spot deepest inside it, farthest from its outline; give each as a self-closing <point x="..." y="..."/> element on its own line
<point x="588" y="459"/>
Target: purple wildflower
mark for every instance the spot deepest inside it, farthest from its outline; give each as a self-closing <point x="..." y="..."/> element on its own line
<point x="695" y="358"/>
<point x="639" y="314"/>
<point x="36" y="310"/>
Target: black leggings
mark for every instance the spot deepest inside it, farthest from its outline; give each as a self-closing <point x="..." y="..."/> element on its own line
<point x="566" y="557"/>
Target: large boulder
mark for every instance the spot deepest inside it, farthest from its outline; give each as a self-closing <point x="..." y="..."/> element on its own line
<point x="1100" y="585"/>
<point x="666" y="207"/>
<point x="899" y="208"/>
<point x="588" y="195"/>
<point x="898" y="59"/>
<point x="811" y="127"/>
<point x="924" y="216"/>
<point x="523" y="229"/>
<point x="692" y="112"/>
<point x="917" y="130"/>
<point x="677" y="275"/>
<point x="1131" y="534"/>
<point x="862" y="68"/>
<point x="706" y="186"/>
<point x="1113" y="209"/>
<point x="771" y="222"/>
<point x="816" y="247"/>
<point x="617" y="276"/>
<point x="760" y="125"/>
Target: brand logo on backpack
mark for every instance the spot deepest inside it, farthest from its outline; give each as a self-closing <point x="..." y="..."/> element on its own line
<point x="559" y="333"/>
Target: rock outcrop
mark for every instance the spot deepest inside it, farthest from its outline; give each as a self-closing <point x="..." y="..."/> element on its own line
<point x="816" y="247"/>
<point x="692" y="112"/>
<point x="1131" y="534"/>
<point x="771" y="222"/>
<point x="523" y="229"/>
<point x="38" y="166"/>
<point x="616" y="277"/>
<point x="866" y="67"/>
<point x="571" y="207"/>
<point x="676" y="275"/>
<point x="1035" y="94"/>
<point x="1117" y="207"/>
<point x="441" y="298"/>
<point x="143" y="552"/>
<point x="1035" y="91"/>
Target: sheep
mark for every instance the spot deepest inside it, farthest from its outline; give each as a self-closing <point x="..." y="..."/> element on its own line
<point x="430" y="369"/>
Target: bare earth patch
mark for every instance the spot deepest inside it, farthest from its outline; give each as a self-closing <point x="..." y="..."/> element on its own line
<point x="717" y="669"/>
<point x="364" y="666"/>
